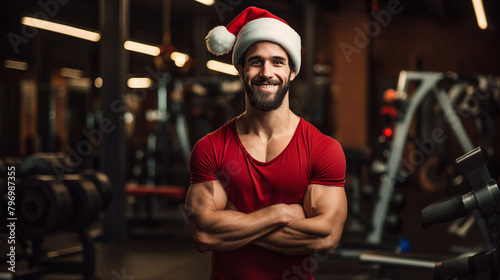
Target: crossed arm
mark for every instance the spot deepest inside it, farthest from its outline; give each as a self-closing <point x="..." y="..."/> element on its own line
<point x="215" y="224"/>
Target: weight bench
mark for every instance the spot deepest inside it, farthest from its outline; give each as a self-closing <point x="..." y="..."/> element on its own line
<point x="174" y="192"/>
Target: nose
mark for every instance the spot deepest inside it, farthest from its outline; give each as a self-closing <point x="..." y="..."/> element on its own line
<point x="267" y="70"/>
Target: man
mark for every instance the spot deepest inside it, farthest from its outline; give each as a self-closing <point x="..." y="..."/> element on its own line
<point x="267" y="187"/>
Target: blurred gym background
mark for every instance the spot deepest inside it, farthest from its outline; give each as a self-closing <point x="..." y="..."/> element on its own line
<point x="102" y="101"/>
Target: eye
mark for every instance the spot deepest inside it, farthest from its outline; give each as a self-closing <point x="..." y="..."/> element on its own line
<point x="279" y="62"/>
<point x="256" y="62"/>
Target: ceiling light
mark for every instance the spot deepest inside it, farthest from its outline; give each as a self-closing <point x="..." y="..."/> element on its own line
<point x="142" y="48"/>
<point x="222" y="67"/>
<point x="14" y="64"/>
<point x="179" y="58"/>
<point x="61" y="28"/>
<point x="98" y="82"/>
<point x="139" y="83"/>
<point x="206" y="2"/>
<point x="71" y="73"/>
<point x="480" y="15"/>
<point x="84" y="83"/>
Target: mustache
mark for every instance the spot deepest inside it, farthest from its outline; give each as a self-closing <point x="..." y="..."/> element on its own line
<point x="260" y="80"/>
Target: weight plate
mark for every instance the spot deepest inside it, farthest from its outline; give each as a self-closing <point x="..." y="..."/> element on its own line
<point x="86" y="202"/>
<point x="103" y="184"/>
<point x="44" y="204"/>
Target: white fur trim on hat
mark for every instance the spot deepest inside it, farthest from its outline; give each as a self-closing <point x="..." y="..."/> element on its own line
<point x="272" y="30"/>
<point x="219" y="40"/>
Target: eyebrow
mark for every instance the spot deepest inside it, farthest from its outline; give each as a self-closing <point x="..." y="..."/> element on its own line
<point x="260" y="57"/>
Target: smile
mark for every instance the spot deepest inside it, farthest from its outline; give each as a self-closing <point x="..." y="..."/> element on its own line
<point x="266" y="86"/>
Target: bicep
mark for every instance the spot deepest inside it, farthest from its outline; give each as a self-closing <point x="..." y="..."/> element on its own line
<point x="205" y="197"/>
<point x="327" y="203"/>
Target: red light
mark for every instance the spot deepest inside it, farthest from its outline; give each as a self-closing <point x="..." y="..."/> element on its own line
<point x="387" y="132"/>
<point x="389" y="111"/>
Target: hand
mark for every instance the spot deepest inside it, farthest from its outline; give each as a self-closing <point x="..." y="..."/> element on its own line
<point x="290" y="212"/>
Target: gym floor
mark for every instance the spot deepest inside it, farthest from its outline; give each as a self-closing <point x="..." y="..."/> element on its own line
<point x="159" y="248"/>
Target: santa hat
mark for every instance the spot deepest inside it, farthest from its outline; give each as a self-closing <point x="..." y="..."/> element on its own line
<point x="250" y="26"/>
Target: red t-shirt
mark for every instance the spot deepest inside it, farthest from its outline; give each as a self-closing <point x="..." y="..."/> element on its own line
<point x="310" y="158"/>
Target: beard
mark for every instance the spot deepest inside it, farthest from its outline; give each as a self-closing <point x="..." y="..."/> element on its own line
<point x="258" y="98"/>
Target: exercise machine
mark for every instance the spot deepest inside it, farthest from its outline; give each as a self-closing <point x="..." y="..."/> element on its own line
<point x="444" y="87"/>
<point x="483" y="202"/>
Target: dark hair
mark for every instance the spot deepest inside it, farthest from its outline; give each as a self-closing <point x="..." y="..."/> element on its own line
<point x="242" y="61"/>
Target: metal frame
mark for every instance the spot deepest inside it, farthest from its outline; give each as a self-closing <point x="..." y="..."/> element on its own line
<point x="429" y="84"/>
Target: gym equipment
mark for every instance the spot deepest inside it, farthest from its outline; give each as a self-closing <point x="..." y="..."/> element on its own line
<point x="435" y="83"/>
<point x="176" y="193"/>
<point x="9" y="161"/>
<point x="483" y="202"/>
<point x="86" y="202"/>
<point x="42" y="164"/>
<point x="42" y="263"/>
<point x="45" y="204"/>
<point x="101" y="182"/>
<point x="355" y="159"/>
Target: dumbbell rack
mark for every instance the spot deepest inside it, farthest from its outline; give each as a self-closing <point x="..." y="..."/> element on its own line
<point x="41" y="263"/>
<point x="48" y="204"/>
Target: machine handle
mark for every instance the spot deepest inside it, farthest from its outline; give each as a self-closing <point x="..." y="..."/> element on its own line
<point x="443" y="211"/>
<point x="452" y="269"/>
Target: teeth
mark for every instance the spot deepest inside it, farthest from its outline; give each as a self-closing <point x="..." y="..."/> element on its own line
<point x="266" y="86"/>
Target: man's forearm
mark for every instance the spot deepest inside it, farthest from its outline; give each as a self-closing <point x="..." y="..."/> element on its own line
<point x="305" y="236"/>
<point x="224" y="230"/>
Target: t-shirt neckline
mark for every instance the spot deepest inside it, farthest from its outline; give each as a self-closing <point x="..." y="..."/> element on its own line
<point x="242" y="147"/>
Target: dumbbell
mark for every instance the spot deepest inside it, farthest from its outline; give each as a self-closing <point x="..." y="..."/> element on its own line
<point x="102" y="183"/>
<point x="42" y="164"/>
<point x="44" y="205"/>
<point x="6" y="163"/>
<point x="48" y="205"/>
<point x="86" y="200"/>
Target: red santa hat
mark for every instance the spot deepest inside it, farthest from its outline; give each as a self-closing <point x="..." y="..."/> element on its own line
<point x="250" y="26"/>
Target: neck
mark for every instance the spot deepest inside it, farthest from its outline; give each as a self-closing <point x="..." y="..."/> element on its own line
<point x="267" y="124"/>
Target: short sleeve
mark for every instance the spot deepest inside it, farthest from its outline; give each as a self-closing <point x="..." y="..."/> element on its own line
<point x="328" y="163"/>
<point x="202" y="163"/>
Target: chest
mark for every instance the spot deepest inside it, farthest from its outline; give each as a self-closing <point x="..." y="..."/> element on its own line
<point x="264" y="150"/>
<point x="252" y="184"/>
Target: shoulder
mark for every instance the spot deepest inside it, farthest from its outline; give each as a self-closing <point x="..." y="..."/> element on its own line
<point x="217" y="137"/>
<point x="318" y="139"/>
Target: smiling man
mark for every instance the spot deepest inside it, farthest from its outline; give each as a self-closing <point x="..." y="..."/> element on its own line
<point x="267" y="187"/>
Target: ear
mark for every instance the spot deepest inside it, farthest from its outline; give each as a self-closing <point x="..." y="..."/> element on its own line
<point x="292" y="75"/>
<point x="239" y="68"/>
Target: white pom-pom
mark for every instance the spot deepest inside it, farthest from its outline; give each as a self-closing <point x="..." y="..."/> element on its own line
<point x="220" y="41"/>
